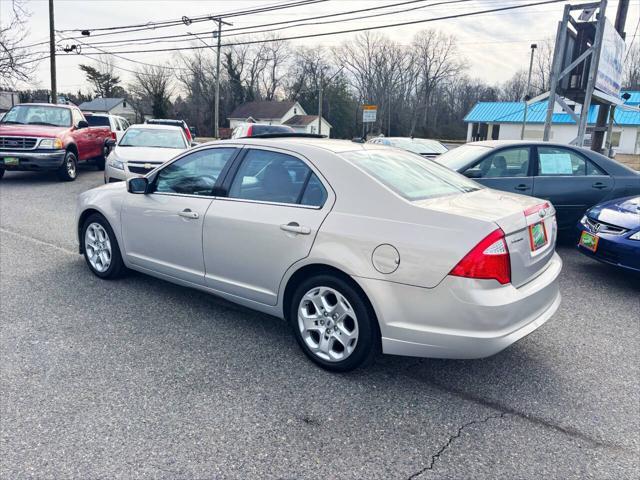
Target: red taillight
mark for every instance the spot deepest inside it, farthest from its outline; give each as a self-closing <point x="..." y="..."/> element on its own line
<point x="188" y="133"/>
<point x="489" y="259"/>
<point x="113" y="135"/>
<point x="249" y="130"/>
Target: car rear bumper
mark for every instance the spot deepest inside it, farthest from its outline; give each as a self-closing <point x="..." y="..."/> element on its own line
<point x="33" y="160"/>
<point x="462" y="318"/>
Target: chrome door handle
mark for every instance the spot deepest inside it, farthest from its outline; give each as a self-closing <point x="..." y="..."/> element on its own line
<point x="522" y="187"/>
<point x="187" y="213"/>
<point x="294" y="227"/>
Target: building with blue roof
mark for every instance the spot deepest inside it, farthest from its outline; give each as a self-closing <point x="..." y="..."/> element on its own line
<point x="503" y="121"/>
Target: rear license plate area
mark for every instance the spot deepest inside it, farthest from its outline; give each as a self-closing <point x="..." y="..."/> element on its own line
<point x="537" y="236"/>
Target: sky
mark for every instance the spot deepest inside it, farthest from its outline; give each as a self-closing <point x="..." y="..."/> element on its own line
<point x="494" y="46"/>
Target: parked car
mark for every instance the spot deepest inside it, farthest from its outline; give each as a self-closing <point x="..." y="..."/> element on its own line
<point x="116" y="124"/>
<point x="610" y="233"/>
<point x="42" y="136"/>
<point x="359" y="247"/>
<point x="572" y="178"/>
<point x="174" y="123"/>
<point x="246" y="130"/>
<point x="141" y="149"/>
<point x="422" y="146"/>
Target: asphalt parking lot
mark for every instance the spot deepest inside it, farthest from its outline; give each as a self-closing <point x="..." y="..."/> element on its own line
<point x="139" y="378"/>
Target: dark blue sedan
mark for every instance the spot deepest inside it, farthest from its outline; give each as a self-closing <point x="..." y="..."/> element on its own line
<point x="610" y="232"/>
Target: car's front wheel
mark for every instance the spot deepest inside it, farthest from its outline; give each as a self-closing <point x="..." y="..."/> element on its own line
<point x="333" y="323"/>
<point x="68" y="171"/>
<point x="100" y="247"/>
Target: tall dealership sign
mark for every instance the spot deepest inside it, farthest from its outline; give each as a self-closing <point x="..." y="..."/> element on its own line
<point x="610" y="68"/>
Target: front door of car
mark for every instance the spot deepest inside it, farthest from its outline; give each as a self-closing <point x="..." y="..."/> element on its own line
<point x="571" y="182"/>
<point x="82" y="137"/>
<point x="268" y="221"/>
<point x="162" y="230"/>
<point x="508" y="169"/>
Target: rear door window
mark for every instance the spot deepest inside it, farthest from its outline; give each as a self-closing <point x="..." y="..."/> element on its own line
<point x="557" y="161"/>
<point x="277" y="178"/>
<point x="510" y="162"/>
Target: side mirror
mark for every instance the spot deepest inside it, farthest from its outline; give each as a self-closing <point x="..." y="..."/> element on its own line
<point x="82" y="124"/>
<point x="473" y="174"/>
<point x="110" y="143"/>
<point x="137" y="185"/>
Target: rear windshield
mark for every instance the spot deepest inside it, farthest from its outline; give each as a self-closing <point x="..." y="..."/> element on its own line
<point x="460" y="157"/>
<point x="262" y="129"/>
<point x="153" y="137"/>
<point x="410" y="176"/>
<point x="97" y="121"/>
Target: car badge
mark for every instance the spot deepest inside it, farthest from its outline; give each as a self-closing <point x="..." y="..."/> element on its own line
<point x="147" y="166"/>
<point x="595" y="227"/>
<point x="542" y="213"/>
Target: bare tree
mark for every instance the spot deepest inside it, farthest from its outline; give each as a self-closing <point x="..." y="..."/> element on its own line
<point x="541" y="81"/>
<point x="514" y="89"/>
<point x="17" y="60"/>
<point x="153" y="86"/>
<point x="102" y="77"/>
<point x="632" y="68"/>
<point x="276" y="55"/>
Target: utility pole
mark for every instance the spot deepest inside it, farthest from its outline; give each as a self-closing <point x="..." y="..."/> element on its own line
<point x="526" y="93"/>
<point x="603" y="110"/>
<point x="52" y="54"/>
<point x="216" y="125"/>
<point x="321" y="86"/>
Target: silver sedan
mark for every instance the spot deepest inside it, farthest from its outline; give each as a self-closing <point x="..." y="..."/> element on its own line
<point x="361" y="248"/>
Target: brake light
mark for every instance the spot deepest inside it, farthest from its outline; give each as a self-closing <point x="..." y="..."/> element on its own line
<point x="113" y="135"/>
<point x="488" y="260"/>
<point x="249" y="130"/>
<point x="188" y="133"/>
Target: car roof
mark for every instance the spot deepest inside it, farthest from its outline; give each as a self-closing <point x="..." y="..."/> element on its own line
<point x="41" y="104"/>
<point x="151" y="126"/>
<point x="331" y="145"/>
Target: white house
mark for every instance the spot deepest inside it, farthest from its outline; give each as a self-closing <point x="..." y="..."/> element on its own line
<point x="278" y="113"/>
<point x="503" y="121"/>
<point x="111" y="106"/>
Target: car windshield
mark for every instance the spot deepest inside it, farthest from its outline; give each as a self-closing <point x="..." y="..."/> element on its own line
<point x="38" y="115"/>
<point x="153" y="137"/>
<point x="462" y="156"/>
<point x="409" y="176"/>
<point x="418" y="145"/>
<point x="97" y="121"/>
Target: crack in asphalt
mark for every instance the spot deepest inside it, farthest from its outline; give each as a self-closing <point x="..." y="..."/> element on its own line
<point x="451" y="439"/>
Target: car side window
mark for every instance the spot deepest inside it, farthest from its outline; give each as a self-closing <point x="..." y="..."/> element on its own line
<point x="557" y="161"/>
<point x="194" y="174"/>
<point x="314" y="194"/>
<point x="271" y="177"/>
<point x="510" y="162"/>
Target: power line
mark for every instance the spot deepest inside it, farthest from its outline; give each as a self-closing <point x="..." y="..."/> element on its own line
<point x="353" y="30"/>
<point x="188" y="21"/>
<point x="319" y="17"/>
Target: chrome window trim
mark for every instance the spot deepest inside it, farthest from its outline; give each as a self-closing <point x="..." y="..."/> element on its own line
<point x="279" y="204"/>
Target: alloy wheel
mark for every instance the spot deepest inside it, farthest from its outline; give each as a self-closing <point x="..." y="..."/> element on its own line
<point x="328" y="324"/>
<point x="98" y="247"/>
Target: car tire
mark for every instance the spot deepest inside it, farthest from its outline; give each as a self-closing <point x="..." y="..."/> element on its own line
<point x="101" y="249"/>
<point x="102" y="160"/>
<point x="68" y="171"/>
<point x="353" y="338"/>
<point x="1" y="172"/>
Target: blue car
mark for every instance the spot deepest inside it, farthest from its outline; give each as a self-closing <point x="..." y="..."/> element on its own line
<point x="610" y="232"/>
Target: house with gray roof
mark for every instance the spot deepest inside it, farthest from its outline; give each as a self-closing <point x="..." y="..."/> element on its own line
<point x="278" y="113"/>
<point x="111" y="106"/>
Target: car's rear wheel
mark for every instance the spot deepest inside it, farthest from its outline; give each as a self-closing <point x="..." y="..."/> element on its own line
<point x="333" y="323"/>
<point x="100" y="246"/>
<point x="101" y="160"/>
<point x="1" y="172"/>
<point x="68" y="171"/>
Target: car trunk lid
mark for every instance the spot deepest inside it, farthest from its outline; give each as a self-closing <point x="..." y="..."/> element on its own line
<point x="525" y="221"/>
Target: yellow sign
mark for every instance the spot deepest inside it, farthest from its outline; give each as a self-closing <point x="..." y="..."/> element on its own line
<point x="369" y="107"/>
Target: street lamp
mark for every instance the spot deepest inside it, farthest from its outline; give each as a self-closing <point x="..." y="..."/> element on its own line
<point x="526" y="93"/>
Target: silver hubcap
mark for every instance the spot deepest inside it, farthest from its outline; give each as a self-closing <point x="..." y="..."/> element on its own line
<point x="71" y="167"/>
<point x="328" y="324"/>
<point x="98" y="247"/>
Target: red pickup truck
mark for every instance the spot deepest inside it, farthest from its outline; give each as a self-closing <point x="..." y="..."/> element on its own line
<point x="42" y="136"/>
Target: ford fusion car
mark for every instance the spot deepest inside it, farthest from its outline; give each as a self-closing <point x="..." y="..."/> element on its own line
<point x="141" y="149"/>
<point x="360" y="247"/>
<point x="610" y="232"/>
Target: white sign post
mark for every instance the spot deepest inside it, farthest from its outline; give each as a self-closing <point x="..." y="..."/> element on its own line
<point x="609" y="76"/>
